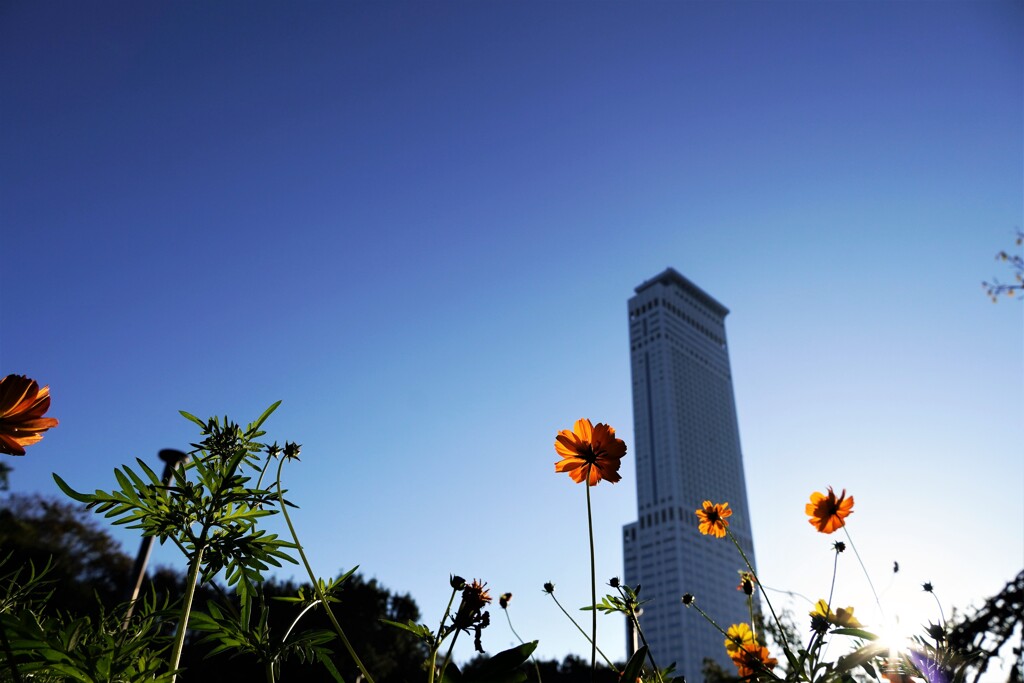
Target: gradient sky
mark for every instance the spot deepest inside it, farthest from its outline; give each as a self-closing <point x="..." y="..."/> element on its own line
<point x="418" y="226"/>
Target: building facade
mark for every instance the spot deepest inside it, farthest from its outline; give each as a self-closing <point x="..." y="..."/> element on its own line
<point x="687" y="446"/>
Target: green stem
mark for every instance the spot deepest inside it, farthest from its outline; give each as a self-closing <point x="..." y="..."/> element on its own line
<point x="521" y="642"/>
<point x="640" y="632"/>
<point x="632" y="616"/>
<point x="186" y="610"/>
<point x="593" y="583"/>
<point x="832" y="588"/>
<point x="941" y="614"/>
<point x="316" y="584"/>
<point x="440" y="638"/>
<point x="296" y="621"/>
<point x="865" y="570"/>
<point x="15" y="674"/>
<point x="448" y="656"/>
<point x="810" y="650"/>
<point x="750" y="611"/>
<point x="782" y="631"/>
<point x="580" y="629"/>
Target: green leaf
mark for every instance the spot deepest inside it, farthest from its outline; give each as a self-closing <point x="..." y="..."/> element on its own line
<point x="262" y="418"/>
<point x="861" y="656"/>
<point x="324" y="659"/>
<point x="502" y="667"/>
<point x="419" y="630"/>
<point x="193" y="418"/>
<point x="451" y="674"/>
<point x="856" y="633"/>
<point x="634" y="666"/>
<point x="71" y="493"/>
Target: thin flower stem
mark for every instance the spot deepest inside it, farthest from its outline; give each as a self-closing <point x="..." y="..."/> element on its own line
<point x="448" y="656"/>
<point x="580" y="629"/>
<point x="593" y="583"/>
<point x="640" y="632"/>
<point x="440" y="637"/>
<point x="316" y="584"/>
<point x="782" y="631"/>
<point x="186" y="609"/>
<point x="521" y="642"/>
<point x="296" y="621"/>
<point x="832" y="588"/>
<point x="790" y="594"/>
<point x="631" y="614"/>
<point x="828" y="610"/>
<point x="447" y="611"/>
<point x="711" y="621"/>
<point x="939" y="604"/>
<point x="15" y="674"/>
<point x="865" y="570"/>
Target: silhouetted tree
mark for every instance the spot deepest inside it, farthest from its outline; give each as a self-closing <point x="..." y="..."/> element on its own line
<point x="87" y="561"/>
<point x="997" y="623"/>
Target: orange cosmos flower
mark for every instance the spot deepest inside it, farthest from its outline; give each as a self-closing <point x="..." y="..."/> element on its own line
<point x="22" y="405"/>
<point x="590" y="452"/>
<point x="751" y="658"/>
<point x="712" y="519"/>
<point x="828" y="513"/>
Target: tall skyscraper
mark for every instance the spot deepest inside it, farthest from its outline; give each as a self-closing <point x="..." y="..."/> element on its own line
<point x="687" y="447"/>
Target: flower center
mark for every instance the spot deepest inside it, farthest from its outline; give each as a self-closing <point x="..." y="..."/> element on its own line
<point x="587" y="454"/>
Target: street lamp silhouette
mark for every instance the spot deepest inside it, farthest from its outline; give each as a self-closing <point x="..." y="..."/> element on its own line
<point x="173" y="459"/>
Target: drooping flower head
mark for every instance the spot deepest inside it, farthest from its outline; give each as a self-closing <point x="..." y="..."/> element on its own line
<point x="737" y="636"/>
<point x="747" y="582"/>
<point x="713" y="519"/>
<point x="469" y="616"/>
<point x="590" y="452"/>
<point x="828" y="513"/>
<point x="22" y="406"/>
<point x="752" y="658"/>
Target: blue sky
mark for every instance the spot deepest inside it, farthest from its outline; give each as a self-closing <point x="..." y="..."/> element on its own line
<point x="418" y="225"/>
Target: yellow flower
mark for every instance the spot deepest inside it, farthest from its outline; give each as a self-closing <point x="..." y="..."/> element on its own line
<point x="590" y="452"/>
<point x="22" y="406"/>
<point x="712" y="519"/>
<point x="752" y="658"/>
<point x="843" y="616"/>
<point x="737" y="636"/>
<point x="828" y="513"/>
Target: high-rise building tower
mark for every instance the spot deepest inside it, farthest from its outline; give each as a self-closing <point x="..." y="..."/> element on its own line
<point x="687" y="446"/>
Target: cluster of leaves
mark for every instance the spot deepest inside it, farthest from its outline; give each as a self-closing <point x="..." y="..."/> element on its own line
<point x="208" y="510"/>
<point x="44" y="646"/>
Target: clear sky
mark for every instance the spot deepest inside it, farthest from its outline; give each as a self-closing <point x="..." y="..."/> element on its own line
<point x="418" y="226"/>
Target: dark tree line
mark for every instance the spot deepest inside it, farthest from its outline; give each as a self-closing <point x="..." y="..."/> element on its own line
<point x="90" y="572"/>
